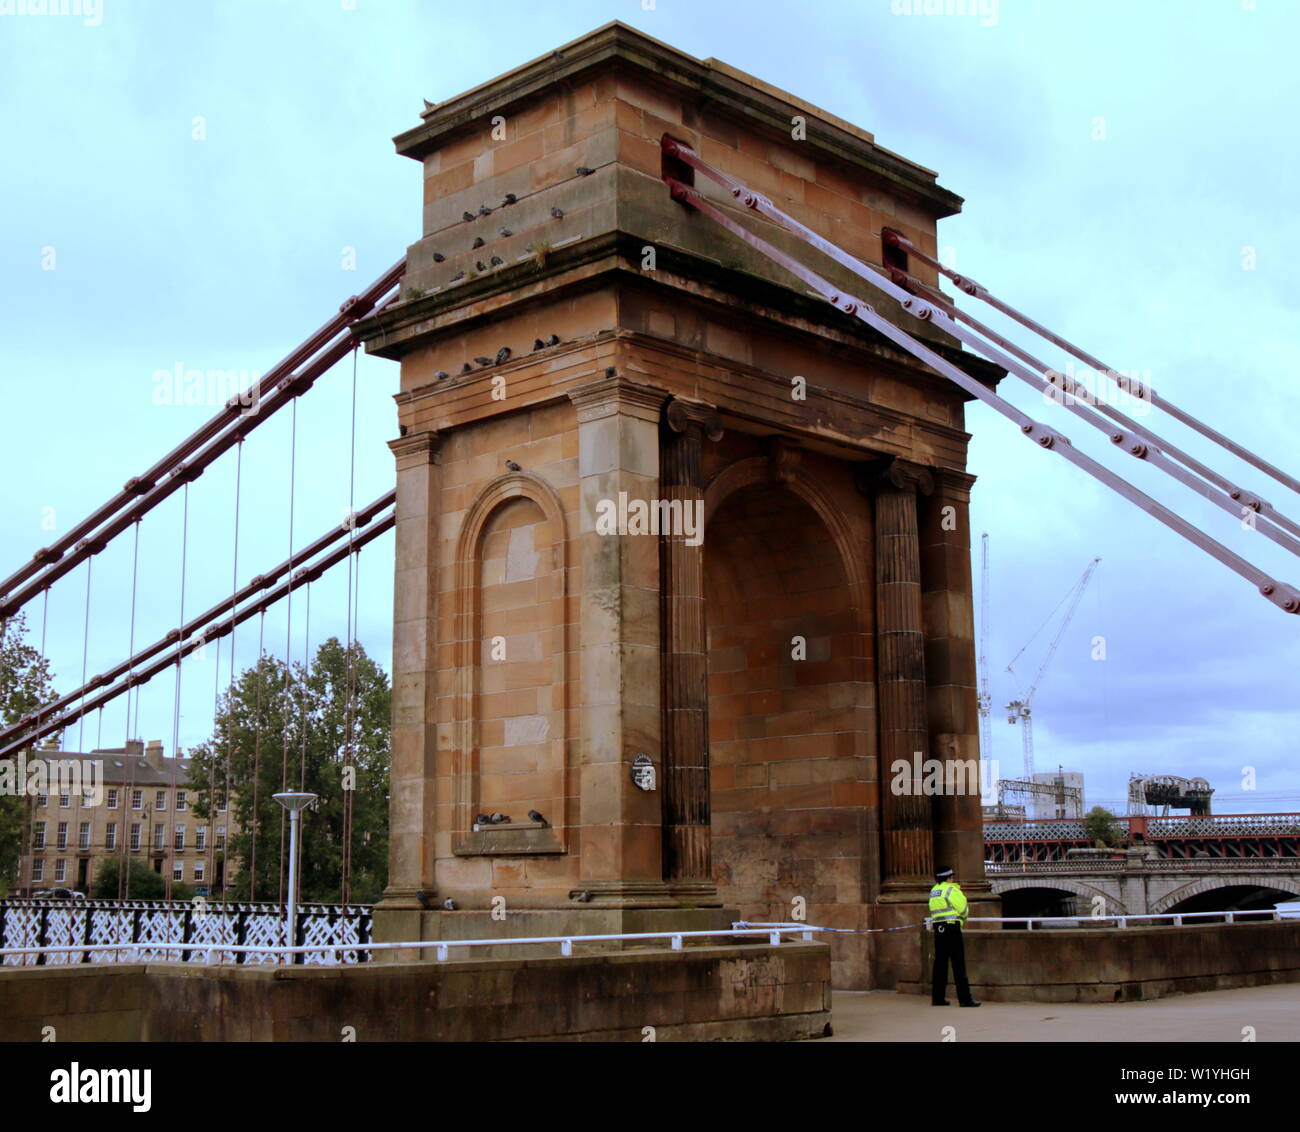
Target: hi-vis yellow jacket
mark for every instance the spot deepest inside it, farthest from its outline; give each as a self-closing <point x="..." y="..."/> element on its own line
<point x="947" y="903"/>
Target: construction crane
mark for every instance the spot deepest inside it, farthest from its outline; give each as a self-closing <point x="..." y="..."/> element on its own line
<point x="1019" y="710"/>
<point x="985" y="700"/>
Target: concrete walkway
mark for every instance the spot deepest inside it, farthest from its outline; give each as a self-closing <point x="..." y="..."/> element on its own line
<point x="1215" y="1016"/>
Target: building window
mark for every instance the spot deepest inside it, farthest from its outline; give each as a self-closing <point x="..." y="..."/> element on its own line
<point x="221" y="837"/>
<point x="159" y="834"/>
<point x="179" y="842"/>
<point x="198" y="870"/>
<point x="83" y="835"/>
<point x="160" y="800"/>
<point x="65" y="801"/>
<point x="110" y="836"/>
<point x="112" y="799"/>
<point x="38" y="870"/>
<point x="180" y="799"/>
<point x="42" y="800"/>
<point x="201" y="838"/>
<point x="60" y="869"/>
<point x="135" y="836"/>
<point x="178" y="871"/>
<point x="221" y="801"/>
<point x="137" y="799"/>
<point x="87" y="796"/>
<point x="38" y="836"/>
<point x="61" y="838"/>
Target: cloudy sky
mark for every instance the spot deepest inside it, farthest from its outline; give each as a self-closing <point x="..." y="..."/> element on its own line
<point x="202" y="184"/>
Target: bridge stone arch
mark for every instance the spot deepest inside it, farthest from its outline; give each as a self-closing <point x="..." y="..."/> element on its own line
<point x="1114" y="905"/>
<point x="1288" y="884"/>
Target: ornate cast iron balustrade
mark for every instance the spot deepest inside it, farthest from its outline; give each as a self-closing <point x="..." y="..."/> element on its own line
<point x="163" y="929"/>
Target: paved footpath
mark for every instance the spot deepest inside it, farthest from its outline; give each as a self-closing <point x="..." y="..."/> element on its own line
<point x="1215" y="1016"/>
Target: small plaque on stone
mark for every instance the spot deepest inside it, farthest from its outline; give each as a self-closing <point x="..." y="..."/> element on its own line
<point x="643" y="772"/>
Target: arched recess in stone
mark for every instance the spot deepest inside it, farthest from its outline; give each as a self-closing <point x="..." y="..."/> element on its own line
<point x="512" y="650"/>
<point x="1088" y="892"/>
<point x="1283" y="884"/>
<point x="791" y="725"/>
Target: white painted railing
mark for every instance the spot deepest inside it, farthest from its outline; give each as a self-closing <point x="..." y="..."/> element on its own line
<point x="1240" y="916"/>
<point x="214" y="954"/>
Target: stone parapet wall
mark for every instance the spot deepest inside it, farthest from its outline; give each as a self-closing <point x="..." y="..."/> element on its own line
<point x="736" y="993"/>
<point x="1121" y="965"/>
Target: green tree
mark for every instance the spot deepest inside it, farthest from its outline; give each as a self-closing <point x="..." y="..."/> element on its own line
<point x="145" y="883"/>
<point x="25" y="684"/>
<point x="1102" y="827"/>
<point x="276" y="726"/>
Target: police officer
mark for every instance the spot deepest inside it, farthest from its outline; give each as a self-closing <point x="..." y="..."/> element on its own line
<point x="948" y="913"/>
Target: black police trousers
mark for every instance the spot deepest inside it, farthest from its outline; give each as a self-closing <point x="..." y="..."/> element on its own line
<point x="948" y="946"/>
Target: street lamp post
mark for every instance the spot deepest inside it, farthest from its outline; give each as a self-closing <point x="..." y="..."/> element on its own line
<point x="295" y="803"/>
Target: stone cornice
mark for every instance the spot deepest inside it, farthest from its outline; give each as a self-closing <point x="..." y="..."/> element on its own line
<point x="417" y="322"/>
<point x="416" y="448"/>
<point x="952" y="484"/>
<point x="710" y="82"/>
<point x="614" y="395"/>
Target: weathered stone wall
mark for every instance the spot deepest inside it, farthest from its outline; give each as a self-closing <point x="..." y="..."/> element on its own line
<point x="559" y="313"/>
<point x="1121" y="965"/>
<point x="738" y="993"/>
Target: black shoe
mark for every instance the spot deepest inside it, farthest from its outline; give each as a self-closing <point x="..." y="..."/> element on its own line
<point x="945" y="1002"/>
<point x="971" y="1003"/>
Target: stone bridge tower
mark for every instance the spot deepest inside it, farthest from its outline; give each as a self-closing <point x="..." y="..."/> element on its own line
<point x="586" y="349"/>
